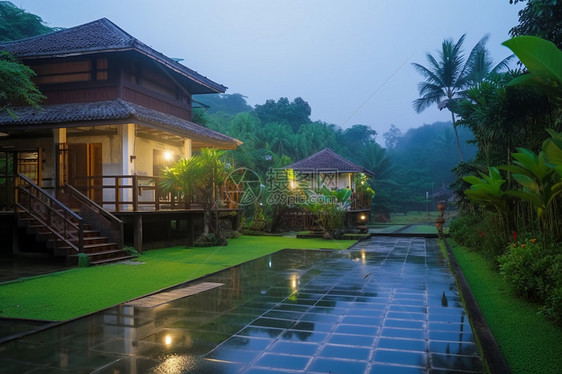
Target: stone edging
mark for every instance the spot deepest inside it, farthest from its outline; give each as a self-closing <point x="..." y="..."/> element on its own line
<point x="487" y="342"/>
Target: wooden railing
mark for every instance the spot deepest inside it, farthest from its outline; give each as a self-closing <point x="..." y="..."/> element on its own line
<point x="62" y="222"/>
<point x="128" y="193"/>
<point x="97" y="217"/>
<point x="360" y="202"/>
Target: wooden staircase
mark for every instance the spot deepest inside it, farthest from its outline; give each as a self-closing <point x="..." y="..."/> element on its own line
<point x="66" y="233"/>
<point x="98" y="248"/>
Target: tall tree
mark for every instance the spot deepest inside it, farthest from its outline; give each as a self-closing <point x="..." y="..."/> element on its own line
<point x="228" y="103"/>
<point x="314" y="137"/>
<point x="294" y="114"/>
<point x="540" y="18"/>
<point x="444" y="80"/>
<point x="355" y="138"/>
<point x="16" y="87"/>
<point x="16" y="23"/>
<point x="448" y="75"/>
<point x="391" y="137"/>
<point x="280" y="139"/>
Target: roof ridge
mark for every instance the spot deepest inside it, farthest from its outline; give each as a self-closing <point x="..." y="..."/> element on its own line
<point x="320" y="157"/>
<point x="103" y="20"/>
<point x="101" y="35"/>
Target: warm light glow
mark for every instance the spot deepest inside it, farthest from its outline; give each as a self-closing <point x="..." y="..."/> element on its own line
<point x="294" y="281"/>
<point x="292" y="184"/>
<point x="168" y="155"/>
<point x="168" y="340"/>
<point x="362" y="217"/>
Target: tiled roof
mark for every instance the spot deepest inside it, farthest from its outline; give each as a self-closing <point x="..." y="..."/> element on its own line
<point x="61" y="115"/>
<point x="98" y="36"/>
<point x="327" y="160"/>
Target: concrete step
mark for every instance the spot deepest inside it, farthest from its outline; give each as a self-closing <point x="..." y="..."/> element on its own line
<point x="102" y="257"/>
<point x="110" y="260"/>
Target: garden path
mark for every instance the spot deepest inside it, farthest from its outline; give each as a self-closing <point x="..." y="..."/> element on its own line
<point x="386" y="305"/>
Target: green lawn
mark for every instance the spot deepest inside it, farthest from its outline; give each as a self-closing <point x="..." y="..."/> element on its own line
<point x="412" y="218"/>
<point x="78" y="291"/>
<point x="529" y="343"/>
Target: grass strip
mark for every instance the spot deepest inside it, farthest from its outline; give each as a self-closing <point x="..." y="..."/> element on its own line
<point x="71" y="293"/>
<point x="528" y="342"/>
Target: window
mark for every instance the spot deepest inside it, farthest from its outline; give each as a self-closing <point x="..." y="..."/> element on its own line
<point x="73" y="71"/>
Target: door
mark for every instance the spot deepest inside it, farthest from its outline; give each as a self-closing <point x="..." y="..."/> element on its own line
<point x="85" y="169"/>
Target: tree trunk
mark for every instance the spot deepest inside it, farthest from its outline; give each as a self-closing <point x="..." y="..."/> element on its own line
<point x="206" y="218"/>
<point x="457" y="136"/>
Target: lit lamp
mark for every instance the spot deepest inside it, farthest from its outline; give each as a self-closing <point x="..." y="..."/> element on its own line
<point x="168" y="155"/>
<point x="362" y="219"/>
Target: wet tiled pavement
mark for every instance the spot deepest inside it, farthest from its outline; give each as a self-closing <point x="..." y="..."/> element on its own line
<point x="387" y="305"/>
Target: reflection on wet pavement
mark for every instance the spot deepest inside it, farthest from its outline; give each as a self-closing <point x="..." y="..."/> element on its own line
<point x="376" y="308"/>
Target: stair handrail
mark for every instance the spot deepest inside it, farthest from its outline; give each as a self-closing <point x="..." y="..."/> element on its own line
<point x="41" y="206"/>
<point x="108" y="224"/>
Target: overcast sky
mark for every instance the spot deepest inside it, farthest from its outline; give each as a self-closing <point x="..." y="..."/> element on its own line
<point x="350" y="60"/>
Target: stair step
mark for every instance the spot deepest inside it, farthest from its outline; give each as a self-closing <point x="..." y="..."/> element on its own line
<point x="95" y="246"/>
<point x="102" y="257"/>
<point x="88" y="240"/>
<point x="110" y="260"/>
<point x="95" y="240"/>
<point x="98" y="248"/>
<point x="89" y="233"/>
<point x="91" y="249"/>
<point x="105" y="253"/>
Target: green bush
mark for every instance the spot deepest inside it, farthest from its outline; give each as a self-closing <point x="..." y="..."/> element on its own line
<point x="465" y="231"/>
<point x="481" y="233"/>
<point x="552" y="308"/>
<point x="534" y="272"/>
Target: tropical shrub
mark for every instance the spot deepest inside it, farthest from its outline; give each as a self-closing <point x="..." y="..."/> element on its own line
<point x="200" y="178"/>
<point x="329" y="206"/>
<point x="540" y="186"/>
<point x="482" y="233"/>
<point x="534" y="271"/>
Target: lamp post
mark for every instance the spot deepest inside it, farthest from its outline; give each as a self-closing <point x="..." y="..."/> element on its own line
<point x="440" y="221"/>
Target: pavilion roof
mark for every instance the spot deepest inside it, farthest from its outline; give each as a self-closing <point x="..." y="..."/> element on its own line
<point x="328" y="160"/>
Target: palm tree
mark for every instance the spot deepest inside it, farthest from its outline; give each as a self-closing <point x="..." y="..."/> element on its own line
<point x="202" y="175"/>
<point x="280" y="138"/>
<point x="374" y="158"/>
<point x="450" y="74"/>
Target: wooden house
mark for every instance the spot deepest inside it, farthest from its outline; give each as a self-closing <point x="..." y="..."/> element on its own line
<point x="328" y="169"/>
<point x="116" y="113"/>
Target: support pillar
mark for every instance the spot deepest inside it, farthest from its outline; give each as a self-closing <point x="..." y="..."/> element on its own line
<point x="187" y="150"/>
<point x="137" y="233"/>
<point x="60" y="158"/>
<point x="128" y="157"/>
